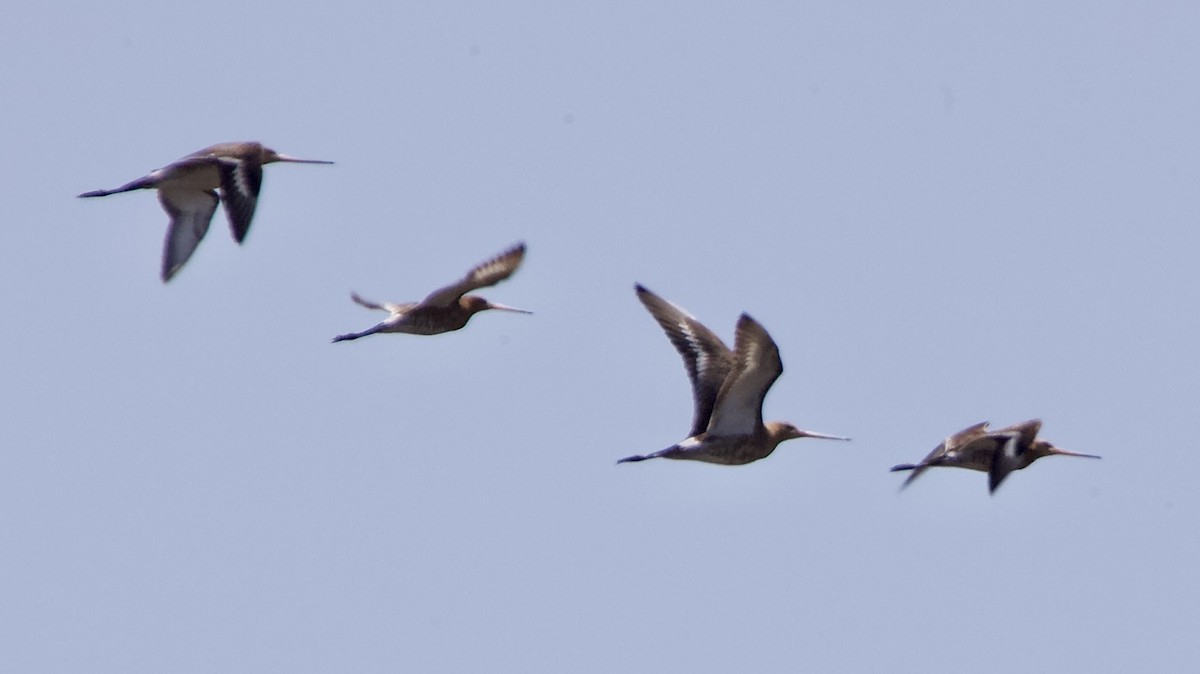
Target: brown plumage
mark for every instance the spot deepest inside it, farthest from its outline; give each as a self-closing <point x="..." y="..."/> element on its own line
<point x="189" y="190"/>
<point x="448" y="308"/>
<point x="728" y="389"/>
<point x="997" y="453"/>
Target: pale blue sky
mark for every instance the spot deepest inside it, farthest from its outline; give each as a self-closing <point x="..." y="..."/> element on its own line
<point x="943" y="214"/>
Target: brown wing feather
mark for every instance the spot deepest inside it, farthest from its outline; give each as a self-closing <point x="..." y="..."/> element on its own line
<point x="1013" y="442"/>
<point x="191" y="211"/>
<point x="366" y="303"/>
<point x="482" y="275"/>
<point x="952" y="443"/>
<point x="706" y="358"/>
<point x="756" y="366"/>
<point x="1026" y="431"/>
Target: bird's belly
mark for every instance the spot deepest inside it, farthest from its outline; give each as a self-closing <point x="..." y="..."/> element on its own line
<point x="202" y="178"/>
<point x="421" y="324"/>
<point x="721" y="459"/>
<point x="980" y="460"/>
<point x="724" y="451"/>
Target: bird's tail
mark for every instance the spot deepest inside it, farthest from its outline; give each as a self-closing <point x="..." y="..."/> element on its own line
<point x="643" y="457"/>
<point x="916" y="469"/>
<point x="139" y="184"/>
<point x="355" y="335"/>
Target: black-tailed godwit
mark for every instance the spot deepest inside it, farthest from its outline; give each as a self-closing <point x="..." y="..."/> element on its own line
<point x="728" y="388"/>
<point x="997" y="453"/>
<point x="447" y="308"/>
<point x="188" y="191"/>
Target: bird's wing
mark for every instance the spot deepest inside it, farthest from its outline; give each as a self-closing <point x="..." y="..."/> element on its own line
<point x="1005" y="458"/>
<point x="706" y="358"/>
<point x="1013" y="441"/>
<point x="482" y="275"/>
<point x="953" y="444"/>
<point x="390" y="307"/>
<point x="191" y="212"/>
<point x="950" y="445"/>
<point x="756" y="365"/>
<point x="1025" y="433"/>
<point x="366" y="303"/>
<point x="241" y="180"/>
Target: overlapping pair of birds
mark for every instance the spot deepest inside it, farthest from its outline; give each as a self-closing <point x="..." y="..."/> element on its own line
<point x="728" y="386"/>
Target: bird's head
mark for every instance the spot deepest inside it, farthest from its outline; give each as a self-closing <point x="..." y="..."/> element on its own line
<point x="270" y="156"/>
<point x="1042" y="448"/>
<point x="780" y="431"/>
<point x="476" y="304"/>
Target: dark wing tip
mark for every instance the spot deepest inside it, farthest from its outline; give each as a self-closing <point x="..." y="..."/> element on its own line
<point x="751" y="328"/>
<point x="656" y="305"/>
<point x="748" y="322"/>
<point x="515" y="250"/>
<point x="998" y="472"/>
<point x="902" y="466"/>
<point x="518" y="251"/>
<point x="647" y="297"/>
<point x="491" y="271"/>
<point x="169" y="272"/>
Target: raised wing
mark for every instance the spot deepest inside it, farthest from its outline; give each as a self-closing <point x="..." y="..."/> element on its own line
<point x="366" y="303"/>
<point x="391" y="307"/>
<point x="756" y="365"/>
<point x="1025" y="432"/>
<point x="482" y="275"/>
<point x="191" y="212"/>
<point x="706" y="358"/>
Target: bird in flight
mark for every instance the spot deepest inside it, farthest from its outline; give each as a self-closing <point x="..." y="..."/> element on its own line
<point x="447" y="308"/>
<point x="728" y="388"/>
<point x="996" y="453"/>
<point x="189" y="190"/>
